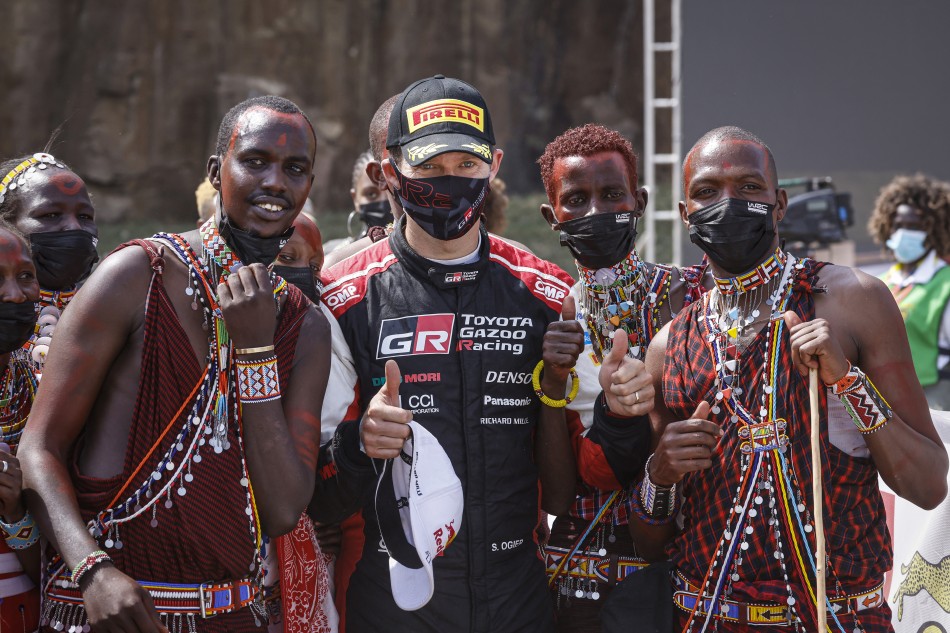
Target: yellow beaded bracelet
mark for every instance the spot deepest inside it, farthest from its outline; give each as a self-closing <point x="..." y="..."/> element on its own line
<point x="554" y="404"/>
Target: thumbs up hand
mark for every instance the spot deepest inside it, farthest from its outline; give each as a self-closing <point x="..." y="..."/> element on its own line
<point x="563" y="343"/>
<point x="384" y="427"/>
<point x="684" y="447"/>
<point x="625" y="380"/>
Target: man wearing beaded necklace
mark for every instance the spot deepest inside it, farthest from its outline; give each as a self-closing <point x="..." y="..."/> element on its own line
<point x="590" y="175"/>
<point x="459" y="316"/>
<point x="19" y="553"/>
<point x="732" y="423"/>
<point x="177" y="366"/>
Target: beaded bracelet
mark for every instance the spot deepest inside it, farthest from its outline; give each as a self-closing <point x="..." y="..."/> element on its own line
<point x="554" y="404"/>
<point x="258" y="380"/>
<point x="863" y="402"/>
<point x="658" y="501"/>
<point x="21" y="535"/>
<point x="87" y="564"/>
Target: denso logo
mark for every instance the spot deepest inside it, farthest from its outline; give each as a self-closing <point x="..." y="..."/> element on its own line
<point x="549" y="291"/>
<point x="758" y="206"/>
<point x="508" y="377"/>
<point x="341" y="296"/>
<point x="423" y="334"/>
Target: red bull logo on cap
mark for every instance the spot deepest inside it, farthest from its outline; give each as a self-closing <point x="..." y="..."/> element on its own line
<point x="443" y="111"/>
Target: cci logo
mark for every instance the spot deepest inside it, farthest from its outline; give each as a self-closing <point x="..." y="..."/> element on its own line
<point x="424" y="334"/>
<point x="549" y="291"/>
<point x="341" y="296"/>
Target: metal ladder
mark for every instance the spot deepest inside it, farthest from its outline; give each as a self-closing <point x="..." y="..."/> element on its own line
<point x="665" y="221"/>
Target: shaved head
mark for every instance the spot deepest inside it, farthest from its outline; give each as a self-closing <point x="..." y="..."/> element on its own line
<point x="723" y="135"/>
<point x="379" y="128"/>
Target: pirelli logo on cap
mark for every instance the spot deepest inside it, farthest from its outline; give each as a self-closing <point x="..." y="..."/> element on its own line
<point x="445" y="110"/>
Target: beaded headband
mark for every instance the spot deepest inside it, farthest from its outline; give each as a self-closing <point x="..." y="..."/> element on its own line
<point x="20" y="175"/>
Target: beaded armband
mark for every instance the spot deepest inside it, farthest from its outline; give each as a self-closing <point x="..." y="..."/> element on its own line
<point x="21" y="535"/>
<point x="658" y="503"/>
<point x="864" y="403"/>
<point x="87" y="564"/>
<point x="554" y="404"/>
<point x="258" y="380"/>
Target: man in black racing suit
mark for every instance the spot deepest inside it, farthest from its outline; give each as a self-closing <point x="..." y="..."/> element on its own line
<point x="444" y="326"/>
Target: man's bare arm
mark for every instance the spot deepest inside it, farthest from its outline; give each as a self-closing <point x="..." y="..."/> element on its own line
<point x="282" y="436"/>
<point x="907" y="451"/>
<point x="89" y="337"/>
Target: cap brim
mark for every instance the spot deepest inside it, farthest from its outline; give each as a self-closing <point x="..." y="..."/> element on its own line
<point x="422" y="149"/>
<point x="412" y="588"/>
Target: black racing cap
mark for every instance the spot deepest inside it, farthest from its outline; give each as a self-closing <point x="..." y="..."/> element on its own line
<point x="438" y="115"/>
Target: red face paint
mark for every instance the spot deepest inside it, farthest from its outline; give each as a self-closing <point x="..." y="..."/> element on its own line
<point x="68" y="183"/>
<point x="282" y="140"/>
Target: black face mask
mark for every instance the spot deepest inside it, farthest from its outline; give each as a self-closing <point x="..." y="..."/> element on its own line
<point x="17" y="321"/>
<point x="252" y="249"/>
<point x="376" y="213"/>
<point x="735" y="234"/>
<point x="445" y="207"/>
<point x="302" y="277"/>
<point x="600" y="240"/>
<point x="63" y="258"/>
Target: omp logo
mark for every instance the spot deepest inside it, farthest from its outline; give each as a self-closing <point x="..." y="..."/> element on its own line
<point x="341" y="296"/>
<point x="481" y="149"/>
<point x="421" y="151"/>
<point x="434" y="376"/>
<point x="622" y="218"/>
<point x="758" y="206"/>
<point x="549" y="291"/>
<point x="412" y="335"/>
<point x="445" y="110"/>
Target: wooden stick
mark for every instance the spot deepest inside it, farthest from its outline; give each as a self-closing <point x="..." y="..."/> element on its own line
<point x="820" y="593"/>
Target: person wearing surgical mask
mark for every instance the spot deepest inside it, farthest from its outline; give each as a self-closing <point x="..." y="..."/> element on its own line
<point x="911" y="220"/>
<point x="49" y="203"/>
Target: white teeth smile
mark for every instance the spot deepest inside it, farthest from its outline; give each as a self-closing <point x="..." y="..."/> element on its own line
<point x="271" y="207"/>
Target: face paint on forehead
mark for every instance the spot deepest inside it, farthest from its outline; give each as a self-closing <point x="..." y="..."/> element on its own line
<point x="12" y="249"/>
<point x="68" y="183"/>
<point x="258" y="118"/>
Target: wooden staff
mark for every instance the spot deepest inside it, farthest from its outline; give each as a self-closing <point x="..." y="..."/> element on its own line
<point x="822" y="611"/>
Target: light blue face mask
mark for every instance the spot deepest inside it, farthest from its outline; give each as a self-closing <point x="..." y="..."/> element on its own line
<point x="907" y="245"/>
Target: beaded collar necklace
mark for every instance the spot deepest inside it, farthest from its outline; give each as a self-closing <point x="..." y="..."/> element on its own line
<point x="49" y="310"/>
<point x="17" y="389"/>
<point x="628" y="302"/>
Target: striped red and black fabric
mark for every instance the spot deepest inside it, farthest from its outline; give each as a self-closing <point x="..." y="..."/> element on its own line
<point x="204" y="536"/>
<point x="858" y="543"/>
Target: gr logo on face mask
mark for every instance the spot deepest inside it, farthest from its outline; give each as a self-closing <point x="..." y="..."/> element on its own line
<point x="415" y="335"/>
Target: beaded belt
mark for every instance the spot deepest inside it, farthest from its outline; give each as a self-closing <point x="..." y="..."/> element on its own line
<point x="609" y="568"/>
<point x="769" y="613"/>
<point x="171" y="600"/>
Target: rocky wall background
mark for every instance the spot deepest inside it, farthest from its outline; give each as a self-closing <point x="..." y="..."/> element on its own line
<point x="139" y="86"/>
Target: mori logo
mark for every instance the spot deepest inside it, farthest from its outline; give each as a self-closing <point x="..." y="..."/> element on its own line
<point x="550" y="291"/>
<point x="760" y="207"/>
<point x="413" y="335"/>
<point x="341" y="296"/>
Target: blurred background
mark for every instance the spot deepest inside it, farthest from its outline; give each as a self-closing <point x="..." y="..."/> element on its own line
<point x="852" y="90"/>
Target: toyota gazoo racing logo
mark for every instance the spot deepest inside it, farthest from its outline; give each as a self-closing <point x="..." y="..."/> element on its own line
<point x="461" y="276"/>
<point x="339" y="297"/>
<point x="550" y="291"/>
<point x="415" y="335"/>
